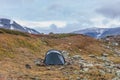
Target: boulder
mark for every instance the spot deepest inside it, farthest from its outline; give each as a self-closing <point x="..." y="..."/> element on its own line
<point x="65" y="54"/>
<point x="28" y="66"/>
<point x="39" y="62"/>
<point x="92" y="56"/>
<point x="118" y="73"/>
<point x="104" y="55"/>
<point x="76" y="57"/>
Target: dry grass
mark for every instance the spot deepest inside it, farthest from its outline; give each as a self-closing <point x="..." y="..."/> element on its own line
<point x="18" y="50"/>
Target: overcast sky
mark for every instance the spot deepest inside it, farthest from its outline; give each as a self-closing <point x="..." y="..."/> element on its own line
<point x="67" y="15"/>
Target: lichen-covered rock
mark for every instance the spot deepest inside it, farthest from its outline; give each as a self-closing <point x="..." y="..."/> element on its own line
<point x="65" y="54"/>
<point x="38" y="62"/>
<point x="76" y="57"/>
<point x="118" y="73"/>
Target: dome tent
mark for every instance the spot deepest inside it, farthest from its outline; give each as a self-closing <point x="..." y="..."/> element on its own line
<point x="54" y="57"/>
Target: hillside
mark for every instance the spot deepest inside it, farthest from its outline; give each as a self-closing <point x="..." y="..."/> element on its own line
<point x="99" y="32"/>
<point x="13" y="25"/>
<point x="87" y="58"/>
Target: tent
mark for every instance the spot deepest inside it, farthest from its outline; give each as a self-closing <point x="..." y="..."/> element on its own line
<point x="54" y="57"/>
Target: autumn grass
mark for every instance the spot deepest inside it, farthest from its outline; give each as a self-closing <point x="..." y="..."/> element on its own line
<point x="17" y="49"/>
<point x="2" y="30"/>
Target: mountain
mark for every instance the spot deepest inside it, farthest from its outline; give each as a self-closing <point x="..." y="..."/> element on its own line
<point x="12" y="25"/>
<point x="99" y="32"/>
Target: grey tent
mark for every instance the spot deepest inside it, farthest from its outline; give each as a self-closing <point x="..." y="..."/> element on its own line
<point x="54" y="57"/>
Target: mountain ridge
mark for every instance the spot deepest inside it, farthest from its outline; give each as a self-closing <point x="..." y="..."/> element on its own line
<point x="99" y="32"/>
<point x="12" y="25"/>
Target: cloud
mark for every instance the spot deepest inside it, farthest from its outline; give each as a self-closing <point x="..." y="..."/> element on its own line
<point x="51" y="26"/>
<point x="110" y="10"/>
<point x="103" y="22"/>
<point x="41" y="24"/>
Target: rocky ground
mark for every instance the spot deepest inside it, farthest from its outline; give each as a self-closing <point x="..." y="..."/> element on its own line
<point x="21" y="57"/>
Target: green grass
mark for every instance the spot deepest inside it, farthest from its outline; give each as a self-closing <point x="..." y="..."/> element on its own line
<point x="61" y="35"/>
<point x="13" y="32"/>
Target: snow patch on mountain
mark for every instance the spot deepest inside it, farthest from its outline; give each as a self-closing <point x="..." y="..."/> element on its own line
<point x="12" y="25"/>
<point x="1" y="24"/>
<point x="100" y="33"/>
<point x="11" y="21"/>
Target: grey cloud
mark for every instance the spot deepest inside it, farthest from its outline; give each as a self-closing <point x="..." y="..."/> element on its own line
<point x="111" y="10"/>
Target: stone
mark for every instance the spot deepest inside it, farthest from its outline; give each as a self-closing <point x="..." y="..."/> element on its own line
<point x="61" y="68"/>
<point x="104" y="54"/>
<point x="104" y="58"/>
<point x="78" y="78"/>
<point x="116" y="78"/>
<point x="76" y="72"/>
<point x="85" y="69"/>
<point x="76" y="57"/>
<point x="89" y="65"/>
<point x="118" y="73"/>
<point x="108" y="47"/>
<point x="102" y="72"/>
<point x="115" y="44"/>
<point x="48" y="68"/>
<point x="92" y="56"/>
<point x="107" y="64"/>
<point x="28" y="66"/>
<point x="35" y="78"/>
<point x="117" y="66"/>
<point x="38" y="62"/>
<point x="117" y="51"/>
<point x="108" y="70"/>
<point x="65" y="54"/>
<point x="84" y="79"/>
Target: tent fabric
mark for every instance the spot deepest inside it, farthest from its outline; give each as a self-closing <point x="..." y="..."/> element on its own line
<point x="54" y="57"/>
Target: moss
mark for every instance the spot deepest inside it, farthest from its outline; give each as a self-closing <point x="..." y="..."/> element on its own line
<point x="1" y="31"/>
<point x="13" y="32"/>
<point x="61" y="35"/>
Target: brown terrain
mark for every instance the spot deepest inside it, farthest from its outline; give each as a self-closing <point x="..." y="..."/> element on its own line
<point x="86" y="58"/>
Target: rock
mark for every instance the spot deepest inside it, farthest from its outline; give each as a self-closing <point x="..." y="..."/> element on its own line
<point x="92" y="56"/>
<point x="89" y="65"/>
<point x="65" y="54"/>
<point x="116" y="78"/>
<point x="69" y="43"/>
<point x="108" y="47"/>
<point x="104" y="58"/>
<point x="115" y="44"/>
<point x="86" y="69"/>
<point x="39" y="62"/>
<point x="48" y="68"/>
<point x="76" y="57"/>
<point x="106" y="64"/>
<point x="76" y="72"/>
<point x="102" y="72"/>
<point x="66" y="73"/>
<point x="117" y="66"/>
<point x="61" y="68"/>
<point x="84" y="79"/>
<point x="28" y="66"/>
<point x="78" y="78"/>
<point x="109" y="70"/>
<point x="68" y="63"/>
<point x="104" y="54"/>
<point x="118" y="73"/>
<point x="35" y="78"/>
<point x="117" y="51"/>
